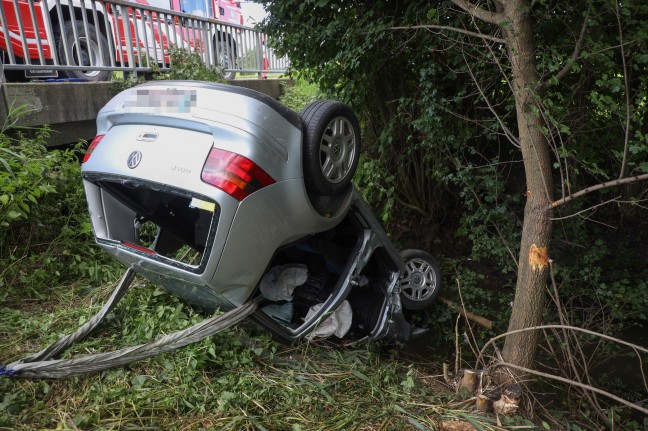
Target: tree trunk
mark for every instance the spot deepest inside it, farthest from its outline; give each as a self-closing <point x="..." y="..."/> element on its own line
<point x="529" y="301"/>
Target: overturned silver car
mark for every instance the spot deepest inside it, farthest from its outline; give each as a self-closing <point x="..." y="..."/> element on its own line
<point x="222" y="195"/>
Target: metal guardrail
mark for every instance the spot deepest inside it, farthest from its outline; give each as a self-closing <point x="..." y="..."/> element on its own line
<point x="89" y="39"/>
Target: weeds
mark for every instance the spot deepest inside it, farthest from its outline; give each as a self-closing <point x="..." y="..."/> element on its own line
<point x="184" y="65"/>
<point x="299" y="94"/>
<point x="220" y="383"/>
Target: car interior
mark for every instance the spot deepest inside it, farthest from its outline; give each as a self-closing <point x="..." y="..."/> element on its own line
<point x="332" y="258"/>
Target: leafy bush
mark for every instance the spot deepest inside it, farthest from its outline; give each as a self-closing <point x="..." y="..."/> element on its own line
<point x="299" y="93"/>
<point x="184" y="65"/>
<point x="45" y="233"/>
<point x="189" y="65"/>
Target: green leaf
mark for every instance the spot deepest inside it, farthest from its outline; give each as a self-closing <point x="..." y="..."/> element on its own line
<point x="644" y="166"/>
<point x="418" y="425"/>
<point x="399" y="409"/>
<point x="138" y="380"/>
<point x="359" y="375"/>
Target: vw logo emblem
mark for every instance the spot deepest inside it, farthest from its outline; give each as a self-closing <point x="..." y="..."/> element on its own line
<point x="134" y="159"/>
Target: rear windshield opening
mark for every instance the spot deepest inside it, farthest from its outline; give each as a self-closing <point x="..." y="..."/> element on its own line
<point x="145" y="217"/>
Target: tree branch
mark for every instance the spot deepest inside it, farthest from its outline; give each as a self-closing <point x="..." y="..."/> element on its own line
<point x="488" y="324"/>
<point x="454" y="29"/>
<point x="592" y="208"/>
<point x="573" y="328"/>
<point x="480" y="13"/>
<point x="605" y="185"/>
<point x="501" y="363"/>
<point x="575" y="55"/>
<point x="511" y="137"/>
<point x="572" y="382"/>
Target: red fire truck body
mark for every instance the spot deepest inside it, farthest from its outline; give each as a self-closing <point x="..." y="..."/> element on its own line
<point x="87" y="33"/>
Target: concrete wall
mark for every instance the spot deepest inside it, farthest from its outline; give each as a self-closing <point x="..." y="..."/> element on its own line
<point x="71" y="108"/>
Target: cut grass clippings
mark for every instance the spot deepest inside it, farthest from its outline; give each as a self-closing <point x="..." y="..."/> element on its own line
<point x="239" y="379"/>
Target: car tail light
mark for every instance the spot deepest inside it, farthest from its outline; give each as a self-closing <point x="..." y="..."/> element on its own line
<point x="91" y="147"/>
<point x="236" y="175"/>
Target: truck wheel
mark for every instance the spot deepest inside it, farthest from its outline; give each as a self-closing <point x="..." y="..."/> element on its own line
<point x="224" y="54"/>
<point x="86" y="51"/>
<point x="420" y="282"/>
<point x="331" y="147"/>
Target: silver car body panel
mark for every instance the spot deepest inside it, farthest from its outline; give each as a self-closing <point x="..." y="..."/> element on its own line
<point x="174" y="125"/>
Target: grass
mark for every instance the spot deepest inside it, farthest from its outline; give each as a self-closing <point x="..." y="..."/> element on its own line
<point x="238" y="379"/>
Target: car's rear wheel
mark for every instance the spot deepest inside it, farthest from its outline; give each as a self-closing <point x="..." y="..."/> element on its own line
<point x="420" y="281"/>
<point x="331" y="146"/>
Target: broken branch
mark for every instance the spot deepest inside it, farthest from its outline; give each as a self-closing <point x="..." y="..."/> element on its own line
<point x="488" y="324"/>
<point x="573" y="328"/>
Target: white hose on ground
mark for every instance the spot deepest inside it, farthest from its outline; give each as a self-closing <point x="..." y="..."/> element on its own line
<point x="40" y="365"/>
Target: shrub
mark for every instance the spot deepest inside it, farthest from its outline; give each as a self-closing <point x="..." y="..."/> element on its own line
<point x="300" y="94"/>
<point x="45" y="234"/>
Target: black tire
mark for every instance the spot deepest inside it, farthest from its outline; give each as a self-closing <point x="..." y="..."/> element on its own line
<point x="420" y="282"/>
<point x="224" y="53"/>
<point x="331" y="147"/>
<point x="89" y="50"/>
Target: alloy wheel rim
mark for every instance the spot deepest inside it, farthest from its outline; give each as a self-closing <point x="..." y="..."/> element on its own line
<point x="418" y="281"/>
<point x="337" y="149"/>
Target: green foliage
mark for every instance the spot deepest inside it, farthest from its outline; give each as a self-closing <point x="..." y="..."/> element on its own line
<point x="299" y="93"/>
<point x="437" y="109"/>
<point x="184" y="65"/>
<point x="237" y="379"/>
<point x="28" y="173"/>
<point x="489" y="220"/>
<point x="45" y="234"/>
<point x="376" y="185"/>
<point x="190" y="66"/>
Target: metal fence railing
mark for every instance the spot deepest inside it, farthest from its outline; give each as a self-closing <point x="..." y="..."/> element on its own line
<point x="88" y="39"/>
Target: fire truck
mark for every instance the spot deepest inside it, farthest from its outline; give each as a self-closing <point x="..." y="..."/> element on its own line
<point x="102" y="34"/>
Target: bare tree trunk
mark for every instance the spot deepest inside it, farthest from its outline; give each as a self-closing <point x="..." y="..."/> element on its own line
<point x="530" y="290"/>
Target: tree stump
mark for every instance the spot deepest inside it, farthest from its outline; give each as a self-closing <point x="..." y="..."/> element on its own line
<point x="509" y="402"/>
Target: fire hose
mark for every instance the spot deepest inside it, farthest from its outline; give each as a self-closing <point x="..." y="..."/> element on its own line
<point x="42" y="365"/>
